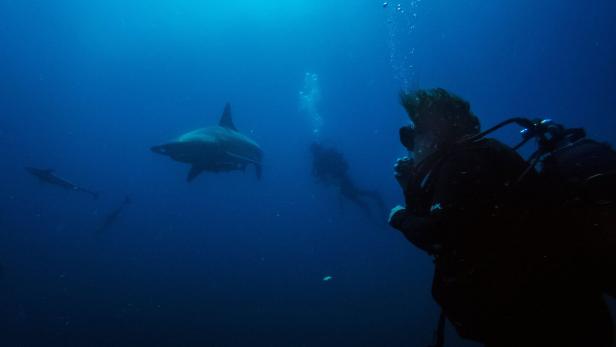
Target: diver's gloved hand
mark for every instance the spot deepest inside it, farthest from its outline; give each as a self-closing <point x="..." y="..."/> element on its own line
<point x="396" y="216"/>
<point x="404" y="171"/>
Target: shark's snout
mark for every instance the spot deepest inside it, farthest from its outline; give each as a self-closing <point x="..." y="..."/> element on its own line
<point x="160" y="150"/>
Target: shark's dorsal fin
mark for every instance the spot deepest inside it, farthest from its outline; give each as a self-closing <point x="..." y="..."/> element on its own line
<point x="226" y="121"/>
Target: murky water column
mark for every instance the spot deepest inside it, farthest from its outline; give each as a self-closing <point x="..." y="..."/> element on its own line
<point x="401" y="25"/>
<point x="309" y="99"/>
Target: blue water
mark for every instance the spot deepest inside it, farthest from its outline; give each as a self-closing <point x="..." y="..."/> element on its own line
<point x="87" y="87"/>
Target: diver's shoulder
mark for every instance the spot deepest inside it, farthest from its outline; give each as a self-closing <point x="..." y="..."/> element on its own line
<point x="483" y="145"/>
<point x="493" y="143"/>
<point x="488" y="150"/>
<point x="494" y="146"/>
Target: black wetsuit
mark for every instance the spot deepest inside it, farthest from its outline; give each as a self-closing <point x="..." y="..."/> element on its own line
<point x="496" y="276"/>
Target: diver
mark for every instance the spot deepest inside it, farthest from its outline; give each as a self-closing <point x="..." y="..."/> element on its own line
<point x="112" y="217"/>
<point x="503" y="276"/>
<point x="330" y="168"/>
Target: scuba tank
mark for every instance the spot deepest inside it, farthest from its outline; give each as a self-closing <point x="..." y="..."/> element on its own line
<point x="582" y="170"/>
<point x="578" y="183"/>
<point x="585" y="172"/>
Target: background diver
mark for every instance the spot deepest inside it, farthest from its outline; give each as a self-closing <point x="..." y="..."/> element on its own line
<point x="330" y="168"/>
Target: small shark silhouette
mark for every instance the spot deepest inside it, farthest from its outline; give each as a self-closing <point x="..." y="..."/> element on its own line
<point x="48" y="176"/>
<point x="112" y="217"/>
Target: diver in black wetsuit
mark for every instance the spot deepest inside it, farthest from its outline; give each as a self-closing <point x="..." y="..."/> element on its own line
<point x="330" y="168"/>
<point x="512" y="268"/>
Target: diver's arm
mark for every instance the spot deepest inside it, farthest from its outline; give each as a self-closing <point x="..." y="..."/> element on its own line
<point x="420" y="231"/>
<point x="456" y="200"/>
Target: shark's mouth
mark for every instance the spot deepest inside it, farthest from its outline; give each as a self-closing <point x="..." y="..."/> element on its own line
<point x="160" y="150"/>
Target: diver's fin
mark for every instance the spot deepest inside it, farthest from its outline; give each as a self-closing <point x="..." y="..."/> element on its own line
<point x="226" y="121"/>
<point x="193" y="173"/>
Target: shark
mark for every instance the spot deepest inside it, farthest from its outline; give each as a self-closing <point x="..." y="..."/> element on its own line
<point x="48" y="176"/>
<point x="219" y="148"/>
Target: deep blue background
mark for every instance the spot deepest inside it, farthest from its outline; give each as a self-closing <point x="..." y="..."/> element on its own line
<point x="86" y="87"/>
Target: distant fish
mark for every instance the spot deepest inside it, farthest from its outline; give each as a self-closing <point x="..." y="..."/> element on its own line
<point x="112" y="217"/>
<point x="48" y="176"/>
<point x="327" y="278"/>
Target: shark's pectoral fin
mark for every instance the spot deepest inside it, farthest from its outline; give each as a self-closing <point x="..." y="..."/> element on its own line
<point x="194" y="172"/>
<point x="259" y="170"/>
